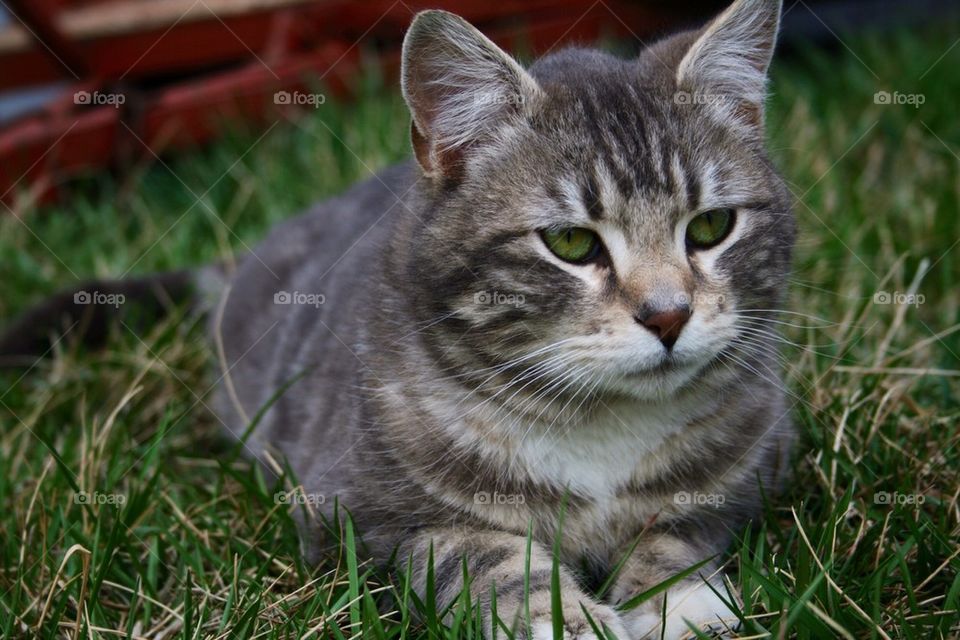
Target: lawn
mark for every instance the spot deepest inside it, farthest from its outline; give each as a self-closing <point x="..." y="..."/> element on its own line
<point x="181" y="538"/>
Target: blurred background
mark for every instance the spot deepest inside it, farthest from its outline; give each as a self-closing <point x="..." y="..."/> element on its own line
<point x="93" y="85"/>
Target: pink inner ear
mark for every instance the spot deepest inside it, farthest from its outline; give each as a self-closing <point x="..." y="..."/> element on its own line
<point x="448" y="163"/>
<point x="421" y="148"/>
<point x="426" y="102"/>
<point x="451" y="78"/>
<point x="750" y="113"/>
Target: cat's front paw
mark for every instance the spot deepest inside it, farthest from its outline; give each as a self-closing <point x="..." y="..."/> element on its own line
<point x="693" y="602"/>
<point x="576" y="626"/>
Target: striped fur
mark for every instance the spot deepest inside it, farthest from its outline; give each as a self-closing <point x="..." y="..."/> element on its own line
<point x="460" y="382"/>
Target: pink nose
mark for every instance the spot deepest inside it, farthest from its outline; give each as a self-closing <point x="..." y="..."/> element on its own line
<point x="666" y="325"/>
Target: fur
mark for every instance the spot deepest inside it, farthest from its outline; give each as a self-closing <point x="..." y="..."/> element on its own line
<point x="460" y="381"/>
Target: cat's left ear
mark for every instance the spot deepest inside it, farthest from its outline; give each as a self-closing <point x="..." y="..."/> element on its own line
<point x="727" y="65"/>
<point x="461" y="89"/>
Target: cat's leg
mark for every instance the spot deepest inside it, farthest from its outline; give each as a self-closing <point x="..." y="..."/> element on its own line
<point x="497" y="559"/>
<point x="656" y="558"/>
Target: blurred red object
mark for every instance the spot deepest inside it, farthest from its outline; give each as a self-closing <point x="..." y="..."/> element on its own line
<point x="146" y="76"/>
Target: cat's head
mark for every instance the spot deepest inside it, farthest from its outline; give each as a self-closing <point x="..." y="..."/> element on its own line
<point x="592" y="222"/>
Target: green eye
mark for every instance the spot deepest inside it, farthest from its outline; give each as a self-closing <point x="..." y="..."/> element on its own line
<point x="573" y="244"/>
<point x="709" y="228"/>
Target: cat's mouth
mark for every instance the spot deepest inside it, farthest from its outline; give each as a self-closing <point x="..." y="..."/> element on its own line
<point x="665" y="369"/>
<point x="655" y="381"/>
<point x="669" y="374"/>
<point x="668" y="365"/>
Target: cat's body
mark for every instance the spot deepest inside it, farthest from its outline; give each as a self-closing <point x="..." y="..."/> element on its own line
<point x="357" y="376"/>
<point x="434" y="355"/>
<point x="414" y="399"/>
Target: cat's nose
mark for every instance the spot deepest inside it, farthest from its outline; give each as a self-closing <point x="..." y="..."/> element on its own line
<point x="667" y="324"/>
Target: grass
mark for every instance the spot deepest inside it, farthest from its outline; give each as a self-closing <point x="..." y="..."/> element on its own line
<point x="864" y="543"/>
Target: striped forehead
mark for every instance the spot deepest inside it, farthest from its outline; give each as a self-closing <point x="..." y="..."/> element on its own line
<point x="597" y="195"/>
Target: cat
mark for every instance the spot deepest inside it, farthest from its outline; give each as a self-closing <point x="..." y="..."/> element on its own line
<point x="566" y="301"/>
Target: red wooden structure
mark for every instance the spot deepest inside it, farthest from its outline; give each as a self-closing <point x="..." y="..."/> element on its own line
<point x="146" y="76"/>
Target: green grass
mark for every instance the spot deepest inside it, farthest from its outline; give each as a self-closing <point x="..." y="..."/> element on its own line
<point x="200" y="548"/>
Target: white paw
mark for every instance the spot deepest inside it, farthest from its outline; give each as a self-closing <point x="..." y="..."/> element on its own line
<point x="695" y="603"/>
<point x="576" y="626"/>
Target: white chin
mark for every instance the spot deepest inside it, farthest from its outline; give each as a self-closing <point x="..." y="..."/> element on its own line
<point x="654" y="384"/>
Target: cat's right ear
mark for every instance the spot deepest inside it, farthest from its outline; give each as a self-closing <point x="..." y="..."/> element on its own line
<point x="460" y="88"/>
<point x="730" y="59"/>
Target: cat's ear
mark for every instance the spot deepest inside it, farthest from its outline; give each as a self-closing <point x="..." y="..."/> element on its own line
<point x="727" y="65"/>
<point x="460" y="88"/>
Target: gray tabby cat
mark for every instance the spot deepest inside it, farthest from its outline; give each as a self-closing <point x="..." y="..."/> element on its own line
<point x="568" y="300"/>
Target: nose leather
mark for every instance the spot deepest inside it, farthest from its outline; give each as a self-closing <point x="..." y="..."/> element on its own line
<point x="666" y="325"/>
